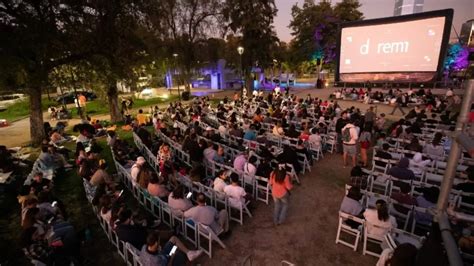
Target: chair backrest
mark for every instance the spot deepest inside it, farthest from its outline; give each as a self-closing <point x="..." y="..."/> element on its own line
<point x="346" y="216"/>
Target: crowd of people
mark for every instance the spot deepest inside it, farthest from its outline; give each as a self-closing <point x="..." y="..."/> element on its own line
<point x="434" y="103"/>
<point x="419" y="149"/>
<point x="301" y="126"/>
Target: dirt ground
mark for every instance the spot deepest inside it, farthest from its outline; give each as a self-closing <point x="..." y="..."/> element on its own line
<point x="308" y="235"/>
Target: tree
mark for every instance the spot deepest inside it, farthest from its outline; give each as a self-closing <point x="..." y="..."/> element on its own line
<point x="253" y="20"/>
<point x="119" y="34"/>
<point x="315" y="27"/>
<point x="37" y="36"/>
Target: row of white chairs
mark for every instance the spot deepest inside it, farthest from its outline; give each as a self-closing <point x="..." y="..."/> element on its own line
<point x="215" y="196"/>
<point x="361" y="234"/>
<point x="127" y="252"/>
<point x="196" y="233"/>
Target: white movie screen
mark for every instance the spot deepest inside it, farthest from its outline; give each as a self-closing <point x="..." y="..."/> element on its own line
<point x="401" y="47"/>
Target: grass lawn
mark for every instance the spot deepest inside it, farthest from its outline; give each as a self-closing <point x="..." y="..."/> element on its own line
<point x="21" y="109"/>
<point x="100" y="106"/>
<point x="69" y="189"/>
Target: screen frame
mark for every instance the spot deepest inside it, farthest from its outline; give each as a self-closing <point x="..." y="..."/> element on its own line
<point x="446" y="13"/>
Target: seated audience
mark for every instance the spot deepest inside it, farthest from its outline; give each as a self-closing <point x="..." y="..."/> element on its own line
<point x="152" y="254"/>
<point x="220" y="181"/>
<point x="235" y="192"/>
<point x="39" y="184"/>
<point x="178" y="201"/>
<point x="208" y="215"/>
<point x="427" y="200"/>
<point x="157" y="188"/>
<point x="401" y="171"/>
<point x="351" y="202"/>
<point x="136" y="168"/>
<point x="380" y="218"/>
<point x="129" y="232"/>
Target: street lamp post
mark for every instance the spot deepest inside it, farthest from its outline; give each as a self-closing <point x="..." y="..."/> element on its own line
<point x="240" y="50"/>
<point x="275" y="62"/>
<point x="175" y="56"/>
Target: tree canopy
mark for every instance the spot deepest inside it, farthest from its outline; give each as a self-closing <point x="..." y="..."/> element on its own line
<point x="315" y="28"/>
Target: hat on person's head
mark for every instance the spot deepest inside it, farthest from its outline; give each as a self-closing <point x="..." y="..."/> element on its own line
<point x="141" y="160"/>
<point x="208" y="128"/>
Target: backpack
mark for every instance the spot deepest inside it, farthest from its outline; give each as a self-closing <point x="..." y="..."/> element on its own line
<point x="346" y="134"/>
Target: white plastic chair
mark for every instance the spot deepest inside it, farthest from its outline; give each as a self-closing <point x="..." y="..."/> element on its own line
<point x="375" y="239"/>
<point x="205" y="232"/>
<point x="344" y="228"/>
<point x="262" y="192"/>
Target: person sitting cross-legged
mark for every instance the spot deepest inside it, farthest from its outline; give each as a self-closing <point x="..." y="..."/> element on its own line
<point x="152" y="254"/>
<point x="208" y="215"/>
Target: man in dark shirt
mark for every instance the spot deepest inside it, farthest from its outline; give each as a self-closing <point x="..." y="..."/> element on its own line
<point x="383" y="154"/>
<point x="40" y="184"/>
<point x="467" y="186"/>
<point x="133" y="234"/>
<point x="144" y="135"/>
<point x="194" y="149"/>
<point x="369" y="118"/>
<point x="401" y="171"/>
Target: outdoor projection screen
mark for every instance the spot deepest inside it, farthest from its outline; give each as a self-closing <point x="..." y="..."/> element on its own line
<point x="397" y="49"/>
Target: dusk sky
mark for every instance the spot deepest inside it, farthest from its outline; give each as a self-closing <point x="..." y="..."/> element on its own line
<point x="463" y="10"/>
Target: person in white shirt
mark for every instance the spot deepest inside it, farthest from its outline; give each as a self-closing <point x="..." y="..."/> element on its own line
<point x="278" y="130"/>
<point x="314" y="139"/>
<point x="219" y="182"/>
<point x="235" y="192"/>
<point x="240" y="161"/>
<point x="417" y="164"/>
<point x="378" y="221"/>
<point x="349" y="140"/>
<point x="210" y="152"/>
<point x="250" y="169"/>
<point x="178" y="202"/>
<point x="136" y="168"/>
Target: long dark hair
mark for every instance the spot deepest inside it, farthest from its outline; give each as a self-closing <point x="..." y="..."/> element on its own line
<point x="382" y="210"/>
<point x="178" y="192"/>
<point x="280" y="173"/>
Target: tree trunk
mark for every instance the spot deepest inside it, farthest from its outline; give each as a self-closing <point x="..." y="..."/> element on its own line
<point x="36" y="117"/>
<point x="112" y="95"/>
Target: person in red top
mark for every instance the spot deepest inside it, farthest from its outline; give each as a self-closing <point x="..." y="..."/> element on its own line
<point x="281" y="186"/>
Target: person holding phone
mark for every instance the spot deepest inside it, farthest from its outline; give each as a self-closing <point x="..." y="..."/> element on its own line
<point x="178" y="202"/>
<point x="174" y="252"/>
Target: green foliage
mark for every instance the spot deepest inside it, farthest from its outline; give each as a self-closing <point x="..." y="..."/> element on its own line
<point x="253" y="19"/>
<point x="315" y="28"/>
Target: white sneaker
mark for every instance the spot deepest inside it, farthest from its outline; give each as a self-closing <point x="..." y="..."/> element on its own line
<point x="193" y="254"/>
